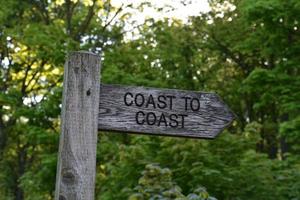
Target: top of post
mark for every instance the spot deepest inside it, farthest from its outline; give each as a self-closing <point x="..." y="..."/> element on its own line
<point x="83" y="52"/>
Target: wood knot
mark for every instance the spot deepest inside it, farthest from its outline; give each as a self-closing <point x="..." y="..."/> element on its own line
<point x="61" y="197"/>
<point x="68" y="177"/>
<point x="88" y="92"/>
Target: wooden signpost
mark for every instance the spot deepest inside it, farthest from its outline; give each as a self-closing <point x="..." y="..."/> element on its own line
<point x="162" y="111"/>
<point x="89" y="106"/>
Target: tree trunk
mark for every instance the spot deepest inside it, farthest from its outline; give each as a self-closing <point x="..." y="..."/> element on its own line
<point x="19" y="193"/>
<point x="2" y="135"/>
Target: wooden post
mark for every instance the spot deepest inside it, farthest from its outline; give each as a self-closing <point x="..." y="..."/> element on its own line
<point x="76" y="167"/>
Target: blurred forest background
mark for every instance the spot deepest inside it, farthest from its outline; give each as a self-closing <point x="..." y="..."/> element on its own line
<point x="248" y="51"/>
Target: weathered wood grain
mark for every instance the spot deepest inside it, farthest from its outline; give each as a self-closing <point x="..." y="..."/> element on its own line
<point x="77" y="148"/>
<point x="206" y="122"/>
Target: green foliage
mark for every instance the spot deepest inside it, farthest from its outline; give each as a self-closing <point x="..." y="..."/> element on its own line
<point x="246" y="51"/>
<point x="156" y="183"/>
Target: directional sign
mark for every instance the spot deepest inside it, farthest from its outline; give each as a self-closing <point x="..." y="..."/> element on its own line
<point x="162" y="111"/>
<point x="122" y="108"/>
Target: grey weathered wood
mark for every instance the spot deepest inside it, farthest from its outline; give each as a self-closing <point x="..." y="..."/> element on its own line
<point x="77" y="148"/>
<point x="212" y="117"/>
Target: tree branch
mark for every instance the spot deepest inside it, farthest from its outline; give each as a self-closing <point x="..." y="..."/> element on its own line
<point x="36" y="72"/>
<point x="23" y="87"/>
<point x="41" y="6"/>
<point x="110" y="21"/>
<point x="68" y="16"/>
<point x="86" y="22"/>
<point x="238" y="59"/>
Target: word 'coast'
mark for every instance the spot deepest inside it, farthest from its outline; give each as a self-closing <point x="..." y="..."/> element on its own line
<point x="162" y="111"/>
